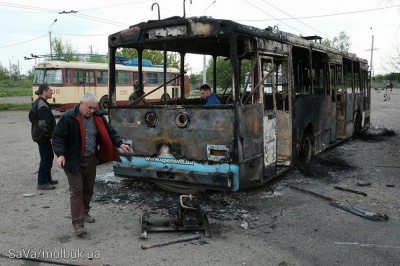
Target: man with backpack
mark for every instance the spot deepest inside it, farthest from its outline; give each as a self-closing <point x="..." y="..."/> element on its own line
<point x="43" y="124"/>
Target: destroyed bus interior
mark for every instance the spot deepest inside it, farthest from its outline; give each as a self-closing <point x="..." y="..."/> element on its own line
<point x="282" y="98"/>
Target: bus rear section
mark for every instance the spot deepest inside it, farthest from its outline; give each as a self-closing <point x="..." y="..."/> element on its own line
<point x="192" y="145"/>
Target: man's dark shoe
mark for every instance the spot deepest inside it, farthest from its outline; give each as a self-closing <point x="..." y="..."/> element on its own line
<point x="79" y="231"/>
<point x="53" y="182"/>
<point x="46" y="187"/>
<point x="88" y="219"/>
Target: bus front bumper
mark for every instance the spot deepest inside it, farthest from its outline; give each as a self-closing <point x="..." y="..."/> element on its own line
<point x="221" y="176"/>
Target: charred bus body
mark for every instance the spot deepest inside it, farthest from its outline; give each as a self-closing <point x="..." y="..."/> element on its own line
<point x="251" y="137"/>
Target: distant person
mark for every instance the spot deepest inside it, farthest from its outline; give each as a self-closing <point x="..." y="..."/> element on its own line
<point x="43" y="124"/>
<point x="205" y="92"/>
<point x="81" y="136"/>
<point x="137" y="93"/>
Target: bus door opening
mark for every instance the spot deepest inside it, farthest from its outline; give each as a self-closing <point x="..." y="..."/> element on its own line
<point x="267" y="98"/>
<point x="339" y="97"/>
<point x="84" y="79"/>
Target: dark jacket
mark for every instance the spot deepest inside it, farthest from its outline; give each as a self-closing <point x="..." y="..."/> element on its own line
<point x="43" y="121"/>
<point x="68" y="139"/>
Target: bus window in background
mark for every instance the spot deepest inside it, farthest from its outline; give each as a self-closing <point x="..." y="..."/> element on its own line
<point x="123" y="77"/>
<point x="53" y="76"/>
<point x="71" y="79"/>
<point x="79" y="76"/>
<point x="38" y="77"/>
<point x="102" y="77"/>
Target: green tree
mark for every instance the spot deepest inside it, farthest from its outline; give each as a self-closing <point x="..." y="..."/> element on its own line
<point x="224" y="71"/>
<point x="96" y="57"/>
<point x="195" y="79"/>
<point x="30" y="74"/>
<point x="63" y="50"/>
<point x="3" y="72"/>
<point x="340" y="42"/>
<point x="14" y="72"/>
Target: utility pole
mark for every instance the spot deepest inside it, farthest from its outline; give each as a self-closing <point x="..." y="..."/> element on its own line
<point x="204" y="56"/>
<point x="9" y="66"/>
<point x="51" y="48"/>
<point x="372" y="53"/>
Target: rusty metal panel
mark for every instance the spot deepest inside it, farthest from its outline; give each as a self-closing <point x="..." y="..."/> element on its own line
<point x="316" y="111"/>
<point x="350" y="114"/>
<point x="269" y="121"/>
<point x="251" y="130"/>
<point x="205" y="127"/>
<point x="284" y="137"/>
<point x="273" y="47"/>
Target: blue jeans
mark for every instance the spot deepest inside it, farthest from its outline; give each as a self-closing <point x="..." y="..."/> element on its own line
<point x="46" y="162"/>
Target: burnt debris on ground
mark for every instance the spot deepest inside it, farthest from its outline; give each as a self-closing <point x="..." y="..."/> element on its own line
<point x="328" y="166"/>
<point x="219" y="205"/>
<point x="377" y="133"/>
<point x="325" y="166"/>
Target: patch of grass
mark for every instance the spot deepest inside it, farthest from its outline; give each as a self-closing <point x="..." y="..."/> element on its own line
<point x="15" y="106"/>
<point x="6" y="91"/>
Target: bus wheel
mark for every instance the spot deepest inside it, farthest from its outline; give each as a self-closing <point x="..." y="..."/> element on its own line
<point x="165" y="97"/>
<point x="103" y="104"/>
<point x="305" y="150"/>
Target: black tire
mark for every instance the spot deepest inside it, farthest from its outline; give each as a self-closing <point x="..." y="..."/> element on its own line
<point x="306" y="147"/>
<point x="357" y="124"/>
<point x="103" y="104"/>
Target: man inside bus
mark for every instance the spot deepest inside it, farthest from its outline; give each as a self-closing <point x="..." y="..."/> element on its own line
<point x="206" y="94"/>
<point x="137" y="93"/>
<point x="83" y="135"/>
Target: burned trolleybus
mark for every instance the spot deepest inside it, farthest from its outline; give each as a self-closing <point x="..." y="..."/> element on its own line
<point x="300" y="99"/>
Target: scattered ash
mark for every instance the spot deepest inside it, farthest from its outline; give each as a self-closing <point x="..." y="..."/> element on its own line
<point x="326" y="165"/>
<point x="376" y="133"/>
<point x="155" y="201"/>
<point x="126" y="191"/>
<point x="221" y="205"/>
<point x="229" y="205"/>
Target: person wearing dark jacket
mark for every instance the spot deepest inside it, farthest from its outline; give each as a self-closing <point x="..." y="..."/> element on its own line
<point x="206" y="94"/>
<point x="43" y="123"/>
<point x="83" y="135"/>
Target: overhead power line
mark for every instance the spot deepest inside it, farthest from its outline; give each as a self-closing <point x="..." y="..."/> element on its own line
<point x="326" y="15"/>
<point x="72" y="13"/>
<point x="270" y="15"/>
<point x="28" y="7"/>
<point x="23" y="42"/>
<point x="293" y="17"/>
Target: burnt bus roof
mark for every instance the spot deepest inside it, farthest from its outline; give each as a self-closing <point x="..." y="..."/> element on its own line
<point x="182" y="30"/>
<point x="193" y="34"/>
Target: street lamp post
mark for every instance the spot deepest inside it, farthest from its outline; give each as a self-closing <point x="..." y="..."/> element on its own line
<point x="204" y="56"/>
<point x="372" y="51"/>
<point x="9" y="66"/>
<point x="51" y="48"/>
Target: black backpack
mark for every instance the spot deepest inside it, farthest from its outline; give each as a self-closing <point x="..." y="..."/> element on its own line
<point x="33" y="115"/>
